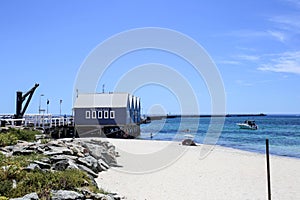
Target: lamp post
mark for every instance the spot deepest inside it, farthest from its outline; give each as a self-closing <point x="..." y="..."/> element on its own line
<point x="47" y="104"/>
<point x="60" y="102"/>
<point x="40" y="103"/>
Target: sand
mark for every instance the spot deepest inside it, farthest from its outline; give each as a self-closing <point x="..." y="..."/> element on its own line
<point x="167" y="170"/>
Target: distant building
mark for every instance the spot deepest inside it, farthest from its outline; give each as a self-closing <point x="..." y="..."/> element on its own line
<point x="107" y="114"/>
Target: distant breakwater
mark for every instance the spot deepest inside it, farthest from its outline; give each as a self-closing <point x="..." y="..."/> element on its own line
<point x="159" y="117"/>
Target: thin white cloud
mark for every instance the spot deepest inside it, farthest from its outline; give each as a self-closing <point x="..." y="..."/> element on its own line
<point x="229" y="62"/>
<point x="246" y="48"/>
<point x="248" y="33"/>
<point x="287" y="22"/>
<point x="278" y="35"/>
<point x="288" y="62"/>
<point x="248" y="57"/>
<point x="254" y="83"/>
<point x="281" y="36"/>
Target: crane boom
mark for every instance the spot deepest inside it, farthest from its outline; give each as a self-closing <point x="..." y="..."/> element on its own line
<point x="21" y="98"/>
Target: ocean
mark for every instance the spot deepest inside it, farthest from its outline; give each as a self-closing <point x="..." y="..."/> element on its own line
<point x="283" y="132"/>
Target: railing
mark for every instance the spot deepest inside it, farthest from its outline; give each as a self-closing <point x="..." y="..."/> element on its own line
<point x="37" y="120"/>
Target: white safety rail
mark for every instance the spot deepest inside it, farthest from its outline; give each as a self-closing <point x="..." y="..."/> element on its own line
<point x="38" y="120"/>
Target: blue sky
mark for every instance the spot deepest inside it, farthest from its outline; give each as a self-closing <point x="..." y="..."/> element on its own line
<point x="254" y="44"/>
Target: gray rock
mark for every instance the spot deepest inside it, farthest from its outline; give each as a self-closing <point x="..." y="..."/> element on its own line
<point x="99" y="196"/>
<point x="56" y="143"/>
<point x="188" y="142"/>
<point x="9" y="148"/>
<point x="72" y="165"/>
<point x="104" y="166"/>
<point x="118" y="197"/>
<point x="77" y="151"/>
<point x="32" y="166"/>
<point x="40" y="150"/>
<point x="14" y="185"/>
<point x="90" y="162"/>
<point x="4" y="150"/>
<point x="61" y="150"/>
<point x="61" y="165"/>
<point x="31" y="196"/>
<point x="52" y="153"/>
<point x="96" y="150"/>
<point x="19" y="150"/>
<point x="46" y="160"/>
<point x="45" y="147"/>
<point x="108" y="158"/>
<point x="65" y="195"/>
<point x="88" y="170"/>
<point x="57" y="158"/>
<point x="42" y="164"/>
<point x="31" y="146"/>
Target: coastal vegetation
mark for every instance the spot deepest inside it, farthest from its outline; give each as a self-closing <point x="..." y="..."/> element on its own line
<point x="17" y="181"/>
<point x="13" y="135"/>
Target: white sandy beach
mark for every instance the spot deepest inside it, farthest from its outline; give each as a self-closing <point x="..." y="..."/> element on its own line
<point x="223" y="174"/>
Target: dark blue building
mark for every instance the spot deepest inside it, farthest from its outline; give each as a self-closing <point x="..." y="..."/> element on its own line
<point x="107" y="114"/>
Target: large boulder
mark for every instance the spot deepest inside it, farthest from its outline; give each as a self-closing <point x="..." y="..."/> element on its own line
<point x="188" y="142"/>
<point x="90" y="162"/>
<point x="31" y="196"/>
<point x="61" y="165"/>
<point x="65" y="195"/>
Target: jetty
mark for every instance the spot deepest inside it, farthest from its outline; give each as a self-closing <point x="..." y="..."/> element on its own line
<point x="56" y="126"/>
<point x="159" y="117"/>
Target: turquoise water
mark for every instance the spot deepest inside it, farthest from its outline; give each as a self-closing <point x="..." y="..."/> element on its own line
<point x="283" y="132"/>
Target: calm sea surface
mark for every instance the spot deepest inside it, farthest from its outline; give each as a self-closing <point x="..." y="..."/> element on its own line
<point x="283" y="132"/>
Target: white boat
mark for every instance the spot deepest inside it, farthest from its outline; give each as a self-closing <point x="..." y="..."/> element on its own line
<point x="248" y="124"/>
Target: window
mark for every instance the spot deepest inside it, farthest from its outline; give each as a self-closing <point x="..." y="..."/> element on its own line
<point x="112" y="114"/>
<point x="106" y="114"/>
<point x="100" y="114"/>
<point x="87" y="114"/>
<point x="94" y="116"/>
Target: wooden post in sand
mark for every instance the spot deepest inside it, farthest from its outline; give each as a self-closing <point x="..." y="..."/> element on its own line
<point x="268" y="169"/>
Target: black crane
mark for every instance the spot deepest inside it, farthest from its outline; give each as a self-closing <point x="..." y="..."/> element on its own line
<point x="20" y="99"/>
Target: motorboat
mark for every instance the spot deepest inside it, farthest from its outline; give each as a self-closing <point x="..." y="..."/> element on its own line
<point x="248" y="124"/>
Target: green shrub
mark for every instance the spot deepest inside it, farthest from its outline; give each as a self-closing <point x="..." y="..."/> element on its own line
<point x="7" y="139"/>
<point x="37" y="181"/>
<point x="11" y="169"/>
<point x="26" y="135"/>
<point x="6" y="187"/>
<point x="13" y="135"/>
<point x="43" y="182"/>
<point x="45" y="141"/>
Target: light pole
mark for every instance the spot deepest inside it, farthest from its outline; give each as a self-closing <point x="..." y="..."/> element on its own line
<point x="40" y="103"/>
<point x="60" y="102"/>
<point x="47" y="104"/>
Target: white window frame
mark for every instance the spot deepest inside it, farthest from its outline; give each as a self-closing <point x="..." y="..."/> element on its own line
<point x="106" y="114"/>
<point x="112" y="114"/>
<point x="100" y="114"/>
<point x="94" y="114"/>
<point x="88" y="114"/>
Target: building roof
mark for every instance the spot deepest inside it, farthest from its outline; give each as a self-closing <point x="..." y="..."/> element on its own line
<point x="105" y="100"/>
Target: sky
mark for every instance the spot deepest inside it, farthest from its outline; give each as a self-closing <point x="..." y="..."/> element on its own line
<point x="255" y="46"/>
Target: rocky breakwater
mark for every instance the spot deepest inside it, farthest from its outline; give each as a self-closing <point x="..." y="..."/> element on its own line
<point x="92" y="156"/>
